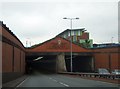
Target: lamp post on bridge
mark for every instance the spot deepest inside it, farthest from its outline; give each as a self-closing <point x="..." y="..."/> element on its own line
<point x="71" y="64"/>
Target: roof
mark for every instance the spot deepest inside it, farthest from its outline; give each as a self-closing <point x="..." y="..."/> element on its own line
<point x="36" y="45"/>
<point x="53" y="45"/>
<point x="81" y="29"/>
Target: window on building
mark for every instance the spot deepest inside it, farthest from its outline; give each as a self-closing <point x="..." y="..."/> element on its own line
<point x="69" y="33"/>
<point x="74" y="38"/>
<point x="72" y="33"/>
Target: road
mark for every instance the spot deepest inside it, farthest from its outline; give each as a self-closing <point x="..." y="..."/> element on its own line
<point x="38" y="79"/>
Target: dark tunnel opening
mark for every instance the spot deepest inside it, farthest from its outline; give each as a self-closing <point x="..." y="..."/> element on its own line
<point x="48" y="63"/>
<point x="79" y="63"/>
<point x="42" y="63"/>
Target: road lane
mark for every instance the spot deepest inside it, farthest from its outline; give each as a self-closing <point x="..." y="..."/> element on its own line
<point x="38" y="79"/>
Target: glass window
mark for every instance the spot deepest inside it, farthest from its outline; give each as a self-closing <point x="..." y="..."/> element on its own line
<point x="72" y="33"/>
<point x="69" y="33"/>
<point x="74" y="38"/>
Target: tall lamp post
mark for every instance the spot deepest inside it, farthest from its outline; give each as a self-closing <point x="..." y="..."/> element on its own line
<point x="71" y="64"/>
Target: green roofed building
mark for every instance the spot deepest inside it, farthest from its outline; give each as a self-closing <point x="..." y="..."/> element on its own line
<point x="79" y="36"/>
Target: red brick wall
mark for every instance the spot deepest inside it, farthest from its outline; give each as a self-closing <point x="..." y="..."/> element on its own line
<point x="104" y="57"/>
<point x="84" y="36"/>
<point x="17" y="60"/>
<point x="7" y="53"/>
<point x="112" y="49"/>
<point x="13" y="55"/>
<point x="8" y="63"/>
<point x="101" y="61"/>
<point x="7" y="57"/>
<point x="54" y="46"/>
<point x="107" y="58"/>
<point x="22" y="62"/>
<point x="115" y="61"/>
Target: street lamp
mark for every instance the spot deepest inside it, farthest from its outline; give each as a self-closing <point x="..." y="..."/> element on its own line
<point x="71" y="64"/>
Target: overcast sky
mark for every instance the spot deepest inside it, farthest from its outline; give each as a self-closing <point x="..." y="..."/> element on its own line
<point x="40" y="21"/>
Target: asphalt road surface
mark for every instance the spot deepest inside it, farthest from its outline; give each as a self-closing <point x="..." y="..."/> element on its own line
<point x="38" y="79"/>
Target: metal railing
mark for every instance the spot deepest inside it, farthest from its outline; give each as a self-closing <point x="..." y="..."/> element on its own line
<point x="94" y="75"/>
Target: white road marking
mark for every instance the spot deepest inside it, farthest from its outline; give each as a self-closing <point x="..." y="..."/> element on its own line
<point x="21" y="83"/>
<point x="53" y="79"/>
<point x="64" y="84"/>
<point x="59" y="82"/>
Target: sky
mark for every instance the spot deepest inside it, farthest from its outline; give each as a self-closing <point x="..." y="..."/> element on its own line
<point x="37" y="21"/>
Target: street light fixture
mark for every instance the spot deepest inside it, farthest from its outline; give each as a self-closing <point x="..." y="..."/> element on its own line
<point x="71" y="64"/>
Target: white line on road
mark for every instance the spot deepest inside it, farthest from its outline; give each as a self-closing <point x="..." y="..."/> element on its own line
<point x="64" y="84"/>
<point x="53" y="79"/>
<point x="59" y="82"/>
<point x="21" y="83"/>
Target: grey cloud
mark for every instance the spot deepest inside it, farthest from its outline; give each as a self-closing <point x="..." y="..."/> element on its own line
<point x="99" y="18"/>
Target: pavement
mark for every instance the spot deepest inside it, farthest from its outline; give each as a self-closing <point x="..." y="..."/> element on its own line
<point x="15" y="82"/>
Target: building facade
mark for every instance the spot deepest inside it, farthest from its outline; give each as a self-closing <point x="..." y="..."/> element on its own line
<point x="79" y="37"/>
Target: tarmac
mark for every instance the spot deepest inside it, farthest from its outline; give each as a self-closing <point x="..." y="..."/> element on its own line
<point x="15" y="82"/>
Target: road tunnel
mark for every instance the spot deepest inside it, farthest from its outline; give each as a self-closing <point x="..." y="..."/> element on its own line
<point x="60" y="63"/>
<point x="43" y="63"/>
<point x="80" y="63"/>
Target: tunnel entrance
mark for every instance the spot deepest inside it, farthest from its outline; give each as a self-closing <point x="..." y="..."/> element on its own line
<point x="80" y="63"/>
<point x="56" y="63"/>
<point x="42" y="63"/>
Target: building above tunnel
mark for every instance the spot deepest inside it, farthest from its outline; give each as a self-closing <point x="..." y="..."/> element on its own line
<point x="79" y="36"/>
